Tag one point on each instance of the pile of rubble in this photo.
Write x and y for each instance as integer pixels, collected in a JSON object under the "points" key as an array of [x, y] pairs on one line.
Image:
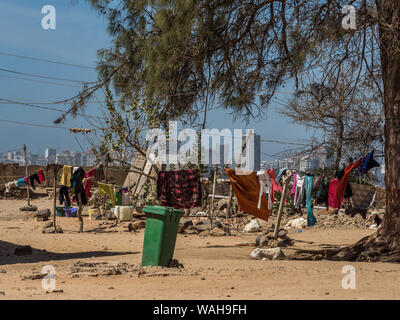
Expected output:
{"points": [[95, 269], [344, 220]]}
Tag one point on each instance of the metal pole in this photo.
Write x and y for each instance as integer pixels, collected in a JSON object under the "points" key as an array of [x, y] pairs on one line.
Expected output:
{"points": [[26, 174]]}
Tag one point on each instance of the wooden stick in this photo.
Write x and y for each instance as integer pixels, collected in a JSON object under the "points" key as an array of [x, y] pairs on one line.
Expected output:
{"points": [[283, 198], [26, 174], [213, 196], [229, 208], [55, 197]]}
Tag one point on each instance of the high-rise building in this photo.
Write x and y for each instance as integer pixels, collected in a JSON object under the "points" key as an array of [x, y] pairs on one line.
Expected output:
{"points": [[50, 155]]}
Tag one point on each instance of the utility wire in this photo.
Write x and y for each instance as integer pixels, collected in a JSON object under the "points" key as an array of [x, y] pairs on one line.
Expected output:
{"points": [[41, 81], [48, 61], [36, 124], [46, 77]]}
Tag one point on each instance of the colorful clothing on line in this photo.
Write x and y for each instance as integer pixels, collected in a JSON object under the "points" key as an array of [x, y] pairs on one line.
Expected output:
{"points": [[332, 201], [78, 190], [108, 190], [311, 220], [367, 163], [299, 192], [26, 180], [41, 176], [343, 182], [247, 192], [281, 172], [265, 188], [293, 192], [64, 196], [66, 176], [179, 189], [20, 182], [34, 177]]}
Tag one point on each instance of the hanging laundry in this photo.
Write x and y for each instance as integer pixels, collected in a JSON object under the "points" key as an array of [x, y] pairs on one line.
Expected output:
{"points": [[26, 180], [247, 192], [332, 200], [265, 188], [179, 189], [90, 173], [108, 190], [9, 185], [64, 196], [367, 163], [21, 182], [34, 177], [78, 189], [293, 192], [281, 172], [275, 185], [66, 176], [311, 220], [74, 169], [41, 176], [88, 186], [299, 192], [343, 182]]}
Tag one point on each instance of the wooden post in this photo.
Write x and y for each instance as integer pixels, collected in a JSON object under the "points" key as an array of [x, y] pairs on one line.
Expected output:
{"points": [[26, 174], [229, 207], [55, 196], [212, 198], [283, 198]]}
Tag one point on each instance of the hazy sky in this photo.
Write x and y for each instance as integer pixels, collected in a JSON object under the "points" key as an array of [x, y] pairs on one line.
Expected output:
{"points": [[79, 33]]}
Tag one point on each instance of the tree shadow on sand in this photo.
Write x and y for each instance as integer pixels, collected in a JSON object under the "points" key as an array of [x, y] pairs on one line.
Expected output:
{"points": [[7, 255]]}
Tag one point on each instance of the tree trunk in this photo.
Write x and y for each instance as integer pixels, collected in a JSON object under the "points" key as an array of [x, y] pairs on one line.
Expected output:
{"points": [[389, 11]]}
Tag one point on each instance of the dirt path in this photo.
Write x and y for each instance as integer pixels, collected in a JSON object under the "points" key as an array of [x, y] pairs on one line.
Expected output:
{"points": [[214, 267]]}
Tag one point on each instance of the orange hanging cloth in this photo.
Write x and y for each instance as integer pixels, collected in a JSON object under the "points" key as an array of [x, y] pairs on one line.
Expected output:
{"points": [[247, 192], [343, 183]]}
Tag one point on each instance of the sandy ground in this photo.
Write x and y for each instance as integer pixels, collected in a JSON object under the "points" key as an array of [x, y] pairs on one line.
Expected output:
{"points": [[216, 267]]}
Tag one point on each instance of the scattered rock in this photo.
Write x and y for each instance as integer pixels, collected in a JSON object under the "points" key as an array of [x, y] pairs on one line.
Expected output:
{"points": [[43, 213], [252, 226], [23, 251], [297, 223], [261, 241], [282, 233], [174, 263], [2, 293], [139, 224], [202, 278], [34, 276], [217, 232], [3, 271], [270, 254], [51, 230], [48, 225], [28, 208]]}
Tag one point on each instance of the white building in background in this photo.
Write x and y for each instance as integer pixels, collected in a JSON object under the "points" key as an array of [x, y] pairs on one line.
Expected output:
{"points": [[50, 155], [87, 159], [67, 158]]}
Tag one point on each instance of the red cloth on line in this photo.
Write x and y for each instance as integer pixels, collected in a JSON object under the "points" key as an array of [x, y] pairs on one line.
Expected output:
{"points": [[247, 192], [41, 176], [343, 182], [90, 173], [88, 186], [332, 201]]}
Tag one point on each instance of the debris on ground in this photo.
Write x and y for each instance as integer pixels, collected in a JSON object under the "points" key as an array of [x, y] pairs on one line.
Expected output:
{"points": [[297, 223], [95, 269], [34, 276], [268, 254], [28, 208], [252, 226]]}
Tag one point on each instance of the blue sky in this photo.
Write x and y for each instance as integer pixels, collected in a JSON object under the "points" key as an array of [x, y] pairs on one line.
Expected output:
{"points": [[80, 33]]}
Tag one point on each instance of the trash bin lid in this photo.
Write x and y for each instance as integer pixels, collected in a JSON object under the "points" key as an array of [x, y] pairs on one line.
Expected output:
{"points": [[162, 210]]}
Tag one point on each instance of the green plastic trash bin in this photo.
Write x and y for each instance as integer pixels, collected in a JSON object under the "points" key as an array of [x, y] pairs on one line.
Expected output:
{"points": [[160, 235]]}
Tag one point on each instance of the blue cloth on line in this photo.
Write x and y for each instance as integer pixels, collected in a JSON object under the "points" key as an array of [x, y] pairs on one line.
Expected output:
{"points": [[20, 182], [279, 176], [311, 220]]}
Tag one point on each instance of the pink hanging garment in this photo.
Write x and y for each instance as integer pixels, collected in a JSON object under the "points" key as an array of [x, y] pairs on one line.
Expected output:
{"points": [[294, 183], [332, 201]]}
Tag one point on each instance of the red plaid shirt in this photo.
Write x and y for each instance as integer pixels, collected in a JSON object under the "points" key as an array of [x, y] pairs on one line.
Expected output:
{"points": [[179, 189]]}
